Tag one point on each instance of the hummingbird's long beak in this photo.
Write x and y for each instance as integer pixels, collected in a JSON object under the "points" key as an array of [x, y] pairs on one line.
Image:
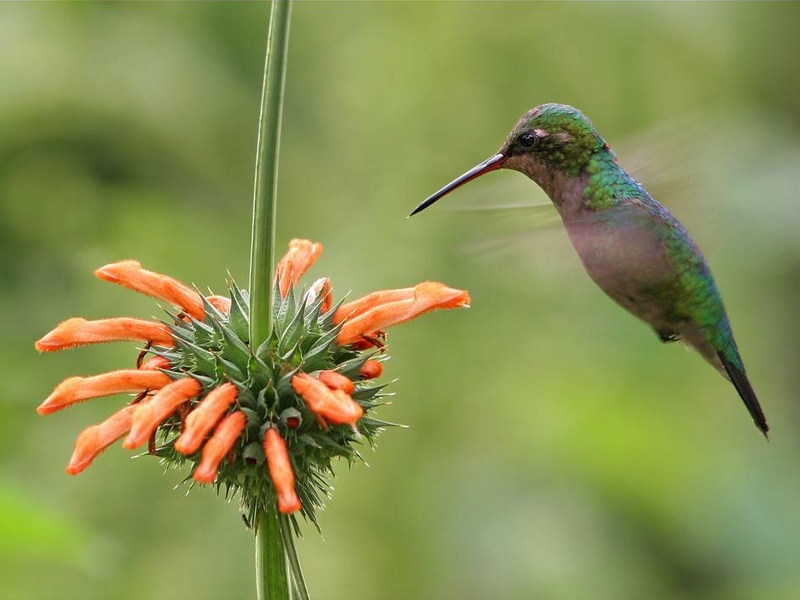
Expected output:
{"points": [[490, 164]]}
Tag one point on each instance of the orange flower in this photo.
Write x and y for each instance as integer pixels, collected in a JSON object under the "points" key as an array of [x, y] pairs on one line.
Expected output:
{"points": [[130, 274], [301, 255], [370, 301], [79, 332], [280, 470], [163, 404], [231, 399], [220, 443], [371, 369], [204, 417], [140, 419], [77, 389], [93, 440], [383, 309], [336, 381], [332, 406]]}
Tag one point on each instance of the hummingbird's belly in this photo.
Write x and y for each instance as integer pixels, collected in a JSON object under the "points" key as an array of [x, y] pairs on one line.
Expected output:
{"points": [[625, 256]]}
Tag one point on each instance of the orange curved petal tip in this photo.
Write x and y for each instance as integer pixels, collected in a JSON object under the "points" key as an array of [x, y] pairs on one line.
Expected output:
{"points": [[93, 440], [221, 303], [80, 332], [130, 274], [163, 404], [218, 446], [336, 381], [398, 307], [77, 389], [204, 417], [280, 471], [333, 406], [371, 369], [297, 260]]}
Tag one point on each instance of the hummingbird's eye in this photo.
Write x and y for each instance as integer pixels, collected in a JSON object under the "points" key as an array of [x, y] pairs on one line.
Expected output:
{"points": [[528, 140]]}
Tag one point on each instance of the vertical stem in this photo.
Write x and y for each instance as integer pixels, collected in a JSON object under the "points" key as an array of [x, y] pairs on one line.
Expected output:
{"points": [[272, 582], [262, 244], [291, 556]]}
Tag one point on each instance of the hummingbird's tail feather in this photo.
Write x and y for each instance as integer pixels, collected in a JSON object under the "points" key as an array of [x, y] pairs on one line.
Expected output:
{"points": [[742, 385]]}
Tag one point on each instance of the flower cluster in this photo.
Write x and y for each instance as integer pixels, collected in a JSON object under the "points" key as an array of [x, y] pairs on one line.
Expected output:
{"points": [[264, 421]]}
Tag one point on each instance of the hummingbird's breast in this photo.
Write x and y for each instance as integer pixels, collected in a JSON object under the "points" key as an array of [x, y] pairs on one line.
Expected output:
{"points": [[622, 250]]}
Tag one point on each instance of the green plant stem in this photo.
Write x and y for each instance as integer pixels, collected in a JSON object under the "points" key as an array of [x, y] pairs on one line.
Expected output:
{"points": [[291, 556], [272, 582], [262, 243]]}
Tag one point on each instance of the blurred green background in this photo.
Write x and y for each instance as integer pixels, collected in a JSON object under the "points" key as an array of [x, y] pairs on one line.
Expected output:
{"points": [[556, 450]]}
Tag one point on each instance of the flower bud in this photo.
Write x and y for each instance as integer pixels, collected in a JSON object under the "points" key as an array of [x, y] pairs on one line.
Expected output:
{"points": [[280, 470], [292, 418], [253, 453], [371, 369]]}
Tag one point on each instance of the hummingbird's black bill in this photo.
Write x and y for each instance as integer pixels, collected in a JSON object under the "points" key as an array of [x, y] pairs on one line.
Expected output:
{"points": [[490, 164]]}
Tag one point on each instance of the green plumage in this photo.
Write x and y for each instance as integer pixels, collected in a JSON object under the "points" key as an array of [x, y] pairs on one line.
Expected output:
{"points": [[631, 246]]}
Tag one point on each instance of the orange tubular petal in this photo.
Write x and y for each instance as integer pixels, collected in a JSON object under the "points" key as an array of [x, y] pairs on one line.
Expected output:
{"points": [[93, 440], [221, 303], [130, 274], [149, 416], [77, 389], [280, 470], [336, 381], [204, 417], [370, 301], [371, 369], [218, 445], [157, 362], [79, 332], [297, 260], [427, 296], [347, 411], [333, 406]]}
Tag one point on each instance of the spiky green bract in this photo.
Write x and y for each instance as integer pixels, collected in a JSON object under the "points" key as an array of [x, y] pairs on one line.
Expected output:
{"points": [[217, 350], [566, 139]]}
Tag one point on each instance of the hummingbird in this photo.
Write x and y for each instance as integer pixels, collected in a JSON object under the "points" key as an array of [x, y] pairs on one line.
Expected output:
{"points": [[633, 248]]}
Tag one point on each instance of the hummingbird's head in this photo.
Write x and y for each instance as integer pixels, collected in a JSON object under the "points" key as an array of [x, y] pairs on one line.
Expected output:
{"points": [[551, 137], [547, 140]]}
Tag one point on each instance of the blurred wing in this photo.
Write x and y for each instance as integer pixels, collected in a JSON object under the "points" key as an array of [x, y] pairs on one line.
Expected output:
{"points": [[666, 159]]}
